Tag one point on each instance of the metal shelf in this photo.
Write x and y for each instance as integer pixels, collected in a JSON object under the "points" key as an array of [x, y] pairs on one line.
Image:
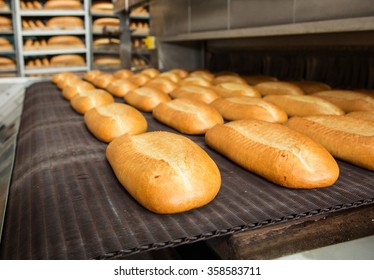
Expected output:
{"points": [[6, 32], [9, 52], [103, 15], [53, 52], [47, 13], [146, 17], [3, 12], [41, 32], [55, 70]]}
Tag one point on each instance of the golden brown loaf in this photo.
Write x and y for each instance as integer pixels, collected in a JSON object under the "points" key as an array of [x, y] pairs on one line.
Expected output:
{"points": [[60, 76], [107, 60], [345, 138], [65, 40], [91, 75], [182, 73], [37, 5], [86, 100], [304, 105], [199, 93], [278, 88], [4, 42], [71, 90], [228, 79], [362, 115], [106, 41], [67, 80], [194, 81], [140, 79], [347, 100], [239, 108], [122, 74], [146, 98], [120, 88], [63, 5], [151, 72], [187, 116], [310, 87], [65, 22], [102, 7], [106, 22], [275, 152], [236, 89], [257, 79], [5, 22], [163, 84], [170, 165], [110, 121], [174, 77], [205, 74], [6, 61], [103, 80], [67, 60]]}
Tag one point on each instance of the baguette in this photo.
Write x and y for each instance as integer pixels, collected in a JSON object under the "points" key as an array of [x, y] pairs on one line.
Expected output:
{"points": [[123, 74], [37, 5], [146, 98], [187, 116], [310, 87], [6, 61], [275, 152], [228, 79], [56, 78], [304, 105], [67, 60], [65, 22], [362, 115], [63, 5], [347, 100], [106, 22], [5, 22], [68, 81], [174, 77], [151, 72], [170, 165], [239, 108], [205, 74], [102, 7], [182, 73], [91, 75], [89, 99], [257, 79], [163, 84], [107, 60], [120, 88], [110, 121], [194, 81], [70, 91], [103, 80], [278, 88], [64, 40], [236, 89], [140, 79], [345, 138], [199, 93]]}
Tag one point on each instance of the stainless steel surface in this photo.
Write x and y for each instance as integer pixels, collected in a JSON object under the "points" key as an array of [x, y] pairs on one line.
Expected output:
{"points": [[209, 15], [11, 100]]}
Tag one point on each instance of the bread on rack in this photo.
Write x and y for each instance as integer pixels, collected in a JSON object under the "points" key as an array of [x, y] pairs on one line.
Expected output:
{"points": [[5, 44], [235, 89], [348, 100], [278, 88], [242, 107], [107, 60], [4, 6], [67, 60], [304, 105], [187, 116], [110, 121], [257, 79], [106, 41], [204, 94], [344, 137], [102, 7], [70, 91], [65, 40], [86, 100], [65, 22], [163, 84], [170, 165], [63, 5], [310, 87], [120, 88], [7, 63], [106, 21], [37, 5], [146, 98], [275, 152], [5, 23]]}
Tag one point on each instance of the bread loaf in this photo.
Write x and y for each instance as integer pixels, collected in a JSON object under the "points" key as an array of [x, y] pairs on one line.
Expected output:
{"points": [[112, 60], [345, 138], [65, 40], [86, 100], [67, 80], [182, 73], [310, 87], [194, 81], [151, 72], [110, 121], [102, 7], [174, 77], [65, 22], [63, 5], [347, 100], [257, 79], [77, 88], [228, 79], [205, 74], [6, 61], [120, 88], [304, 105], [5, 22], [163, 84], [362, 115], [61, 76], [199, 93], [187, 116], [146, 98], [239, 108], [171, 167], [67, 60], [91, 75], [122, 74], [37, 5], [236, 89], [106, 21], [106, 41], [103, 80], [275, 152], [140, 79], [278, 88]]}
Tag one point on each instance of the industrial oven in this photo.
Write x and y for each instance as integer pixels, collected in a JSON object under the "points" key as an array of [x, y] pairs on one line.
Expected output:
{"points": [[65, 202]]}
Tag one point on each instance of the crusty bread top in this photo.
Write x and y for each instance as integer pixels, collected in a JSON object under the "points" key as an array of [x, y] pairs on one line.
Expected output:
{"points": [[65, 40], [170, 76], [344, 124], [204, 94], [195, 80], [65, 21], [236, 89], [310, 87], [278, 88], [228, 79], [146, 91], [182, 73], [4, 41], [106, 21], [122, 74], [205, 74], [362, 115], [257, 79], [151, 72], [254, 101]]}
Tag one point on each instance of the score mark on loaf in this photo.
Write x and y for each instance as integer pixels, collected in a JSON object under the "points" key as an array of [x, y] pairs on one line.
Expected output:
{"points": [[275, 152], [176, 174]]}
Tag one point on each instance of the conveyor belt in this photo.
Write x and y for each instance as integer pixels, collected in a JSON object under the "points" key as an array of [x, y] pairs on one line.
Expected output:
{"points": [[65, 202]]}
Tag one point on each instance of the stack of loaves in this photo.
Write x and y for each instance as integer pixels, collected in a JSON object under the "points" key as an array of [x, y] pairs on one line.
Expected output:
{"points": [[287, 132]]}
